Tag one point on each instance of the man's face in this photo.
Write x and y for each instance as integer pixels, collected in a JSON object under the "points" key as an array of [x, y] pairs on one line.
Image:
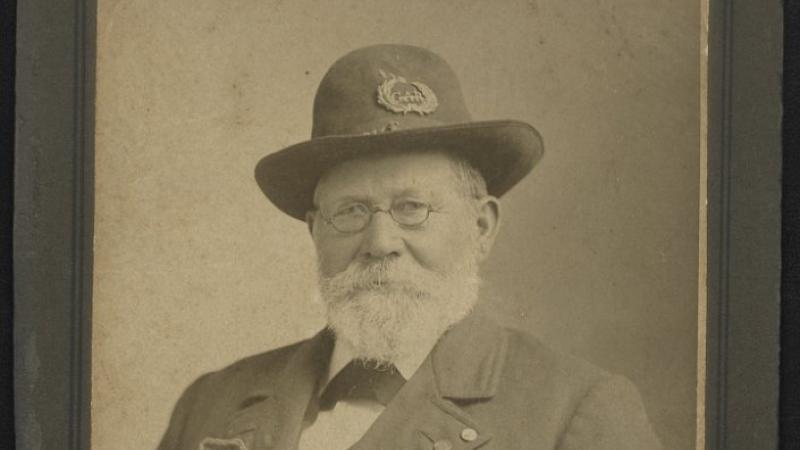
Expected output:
{"points": [[444, 238], [388, 286]]}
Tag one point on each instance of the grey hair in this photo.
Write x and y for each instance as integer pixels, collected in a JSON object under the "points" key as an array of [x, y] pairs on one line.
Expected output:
{"points": [[470, 180]]}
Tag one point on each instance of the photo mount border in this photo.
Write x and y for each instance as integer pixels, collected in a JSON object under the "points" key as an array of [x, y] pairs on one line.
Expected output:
{"points": [[53, 222], [744, 203], [54, 198]]}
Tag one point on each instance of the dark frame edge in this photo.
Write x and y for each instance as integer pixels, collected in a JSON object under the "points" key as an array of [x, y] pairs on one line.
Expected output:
{"points": [[53, 222], [745, 42], [719, 29], [86, 35]]}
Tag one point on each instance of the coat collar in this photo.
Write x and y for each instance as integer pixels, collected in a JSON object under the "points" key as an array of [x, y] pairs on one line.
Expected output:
{"points": [[468, 360], [464, 366]]}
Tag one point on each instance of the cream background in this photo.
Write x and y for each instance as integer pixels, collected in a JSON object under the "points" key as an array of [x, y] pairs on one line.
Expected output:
{"points": [[195, 269]]}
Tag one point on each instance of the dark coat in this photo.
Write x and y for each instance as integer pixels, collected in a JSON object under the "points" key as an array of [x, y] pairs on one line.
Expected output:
{"points": [[504, 384]]}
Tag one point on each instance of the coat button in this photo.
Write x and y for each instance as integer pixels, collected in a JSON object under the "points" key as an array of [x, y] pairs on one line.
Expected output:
{"points": [[469, 434], [444, 444]]}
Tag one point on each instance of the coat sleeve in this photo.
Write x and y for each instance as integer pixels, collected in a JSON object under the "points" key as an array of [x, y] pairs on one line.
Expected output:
{"points": [[173, 437], [610, 417]]}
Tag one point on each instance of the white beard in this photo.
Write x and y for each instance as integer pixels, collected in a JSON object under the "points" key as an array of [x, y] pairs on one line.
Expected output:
{"points": [[388, 309]]}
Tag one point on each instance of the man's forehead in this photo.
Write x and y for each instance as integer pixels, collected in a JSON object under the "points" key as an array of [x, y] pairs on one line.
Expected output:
{"points": [[421, 170]]}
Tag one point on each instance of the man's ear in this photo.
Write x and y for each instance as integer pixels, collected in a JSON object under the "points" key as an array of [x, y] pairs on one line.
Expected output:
{"points": [[488, 223], [311, 215]]}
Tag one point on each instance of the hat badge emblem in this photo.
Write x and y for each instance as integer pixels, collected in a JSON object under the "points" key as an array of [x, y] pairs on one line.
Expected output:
{"points": [[400, 96]]}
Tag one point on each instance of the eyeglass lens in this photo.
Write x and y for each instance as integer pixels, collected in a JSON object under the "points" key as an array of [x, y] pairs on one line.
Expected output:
{"points": [[355, 217]]}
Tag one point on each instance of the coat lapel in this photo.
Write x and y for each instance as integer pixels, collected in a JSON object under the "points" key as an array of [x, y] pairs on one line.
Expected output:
{"points": [[465, 366], [271, 415]]}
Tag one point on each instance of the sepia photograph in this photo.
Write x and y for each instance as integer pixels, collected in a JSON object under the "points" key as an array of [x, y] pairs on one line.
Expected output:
{"points": [[398, 225]]}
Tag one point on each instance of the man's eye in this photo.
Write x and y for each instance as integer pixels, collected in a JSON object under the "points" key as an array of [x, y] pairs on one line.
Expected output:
{"points": [[408, 206], [355, 209]]}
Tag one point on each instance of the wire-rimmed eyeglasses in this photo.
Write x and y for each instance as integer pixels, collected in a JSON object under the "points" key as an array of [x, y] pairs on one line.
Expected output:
{"points": [[356, 216]]}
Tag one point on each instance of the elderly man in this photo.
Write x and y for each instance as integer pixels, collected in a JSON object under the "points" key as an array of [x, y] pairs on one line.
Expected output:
{"points": [[399, 190]]}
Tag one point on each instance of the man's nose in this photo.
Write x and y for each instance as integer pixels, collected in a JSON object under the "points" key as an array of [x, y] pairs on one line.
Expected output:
{"points": [[381, 237]]}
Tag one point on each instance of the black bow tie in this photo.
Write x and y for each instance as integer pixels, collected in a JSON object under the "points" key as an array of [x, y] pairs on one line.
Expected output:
{"points": [[357, 380]]}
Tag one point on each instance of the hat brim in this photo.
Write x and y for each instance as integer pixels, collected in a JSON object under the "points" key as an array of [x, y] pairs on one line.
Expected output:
{"points": [[504, 151]]}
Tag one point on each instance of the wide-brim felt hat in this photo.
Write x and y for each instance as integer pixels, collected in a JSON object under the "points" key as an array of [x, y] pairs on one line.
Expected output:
{"points": [[385, 99]]}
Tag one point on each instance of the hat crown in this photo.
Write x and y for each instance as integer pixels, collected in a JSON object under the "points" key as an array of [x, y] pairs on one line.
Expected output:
{"points": [[385, 88]]}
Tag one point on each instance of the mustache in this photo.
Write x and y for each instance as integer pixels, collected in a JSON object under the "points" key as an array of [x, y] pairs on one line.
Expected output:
{"points": [[379, 274]]}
